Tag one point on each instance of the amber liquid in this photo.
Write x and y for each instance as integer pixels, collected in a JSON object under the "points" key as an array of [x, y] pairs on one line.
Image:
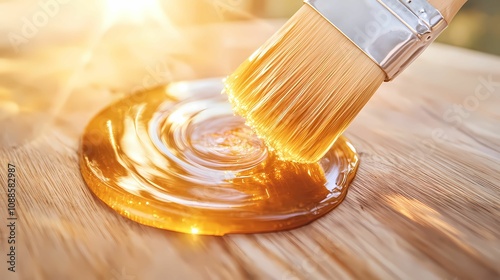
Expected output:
{"points": [[177, 158]]}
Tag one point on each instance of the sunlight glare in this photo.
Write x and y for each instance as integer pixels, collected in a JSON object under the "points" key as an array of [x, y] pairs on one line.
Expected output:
{"points": [[132, 10]]}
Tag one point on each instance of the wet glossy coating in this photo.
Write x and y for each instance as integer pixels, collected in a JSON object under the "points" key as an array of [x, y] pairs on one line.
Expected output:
{"points": [[177, 158]]}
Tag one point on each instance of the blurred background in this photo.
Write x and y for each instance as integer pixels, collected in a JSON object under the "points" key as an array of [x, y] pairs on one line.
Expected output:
{"points": [[56, 53], [475, 27]]}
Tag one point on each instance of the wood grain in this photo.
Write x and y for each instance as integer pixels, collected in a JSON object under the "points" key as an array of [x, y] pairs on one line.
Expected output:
{"points": [[424, 205]]}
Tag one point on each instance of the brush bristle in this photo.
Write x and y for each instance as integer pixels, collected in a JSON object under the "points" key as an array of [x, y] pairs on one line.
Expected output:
{"points": [[303, 87]]}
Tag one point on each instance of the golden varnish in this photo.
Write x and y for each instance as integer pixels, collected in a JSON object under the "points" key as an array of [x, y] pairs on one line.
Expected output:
{"points": [[177, 158]]}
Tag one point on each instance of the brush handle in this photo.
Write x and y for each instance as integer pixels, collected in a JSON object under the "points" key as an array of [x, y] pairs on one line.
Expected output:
{"points": [[448, 8], [390, 32]]}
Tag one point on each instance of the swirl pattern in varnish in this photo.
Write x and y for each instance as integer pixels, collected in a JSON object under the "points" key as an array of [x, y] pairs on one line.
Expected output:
{"points": [[177, 158]]}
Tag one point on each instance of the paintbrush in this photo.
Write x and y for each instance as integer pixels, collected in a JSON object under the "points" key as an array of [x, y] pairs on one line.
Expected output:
{"points": [[304, 86]]}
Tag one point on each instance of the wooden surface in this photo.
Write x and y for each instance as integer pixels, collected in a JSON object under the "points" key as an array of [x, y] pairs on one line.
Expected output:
{"points": [[424, 204]]}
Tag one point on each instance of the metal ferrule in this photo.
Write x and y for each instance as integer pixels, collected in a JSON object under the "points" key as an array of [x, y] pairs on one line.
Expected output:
{"points": [[391, 32]]}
